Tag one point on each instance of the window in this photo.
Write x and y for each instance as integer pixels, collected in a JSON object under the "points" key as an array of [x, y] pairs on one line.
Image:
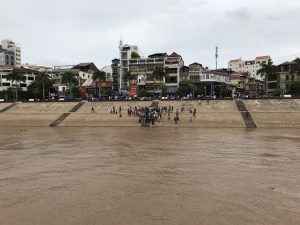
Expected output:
{"points": [[272, 86], [6, 84], [287, 77]]}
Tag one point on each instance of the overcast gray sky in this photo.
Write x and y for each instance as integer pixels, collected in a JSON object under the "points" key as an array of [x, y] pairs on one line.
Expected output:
{"points": [[60, 32]]}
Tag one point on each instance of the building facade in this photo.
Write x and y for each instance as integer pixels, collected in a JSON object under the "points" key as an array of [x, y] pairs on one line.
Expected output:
{"points": [[13, 47], [5, 83], [283, 79], [249, 66], [173, 69], [142, 70], [126, 52], [115, 67], [7, 58]]}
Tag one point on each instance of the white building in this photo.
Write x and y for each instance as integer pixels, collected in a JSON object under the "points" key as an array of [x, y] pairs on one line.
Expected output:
{"points": [[108, 71], [249, 66], [125, 55], [5, 83], [38, 68], [12, 46], [7, 57]]}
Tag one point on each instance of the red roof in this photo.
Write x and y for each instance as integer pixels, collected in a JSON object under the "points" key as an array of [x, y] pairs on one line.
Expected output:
{"points": [[19, 69], [6, 67], [83, 64], [262, 57], [234, 60], [101, 84], [89, 65]]}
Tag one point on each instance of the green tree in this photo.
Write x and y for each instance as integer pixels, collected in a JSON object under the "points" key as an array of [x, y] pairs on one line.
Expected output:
{"points": [[128, 76], [296, 67], [69, 78], [295, 88], [99, 76], [194, 89], [16, 77], [164, 90], [135, 55], [277, 92], [158, 73], [267, 69], [142, 93], [43, 78]]}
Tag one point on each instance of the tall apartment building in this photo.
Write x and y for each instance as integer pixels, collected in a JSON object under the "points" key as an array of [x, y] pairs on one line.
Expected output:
{"points": [[11, 46], [173, 65], [126, 52], [249, 66], [7, 58], [115, 66]]}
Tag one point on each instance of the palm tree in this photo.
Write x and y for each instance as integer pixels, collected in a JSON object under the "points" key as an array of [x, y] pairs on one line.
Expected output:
{"points": [[267, 69], [101, 77], [43, 77], [69, 78], [16, 77]]}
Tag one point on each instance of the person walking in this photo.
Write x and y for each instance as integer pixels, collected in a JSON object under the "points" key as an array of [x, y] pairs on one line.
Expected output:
{"points": [[194, 112]]}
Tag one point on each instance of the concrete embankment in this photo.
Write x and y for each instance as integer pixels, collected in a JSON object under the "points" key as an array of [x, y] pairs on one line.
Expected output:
{"points": [[281, 113], [212, 114]]}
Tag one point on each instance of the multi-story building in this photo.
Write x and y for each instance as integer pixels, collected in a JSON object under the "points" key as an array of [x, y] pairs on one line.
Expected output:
{"points": [[108, 73], [238, 81], [209, 80], [173, 65], [250, 66], [283, 78], [12, 46], [115, 67], [142, 70], [127, 52], [5, 83], [7, 57]]}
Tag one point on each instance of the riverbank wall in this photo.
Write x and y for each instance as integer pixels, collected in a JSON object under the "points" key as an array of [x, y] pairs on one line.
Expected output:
{"points": [[266, 113]]}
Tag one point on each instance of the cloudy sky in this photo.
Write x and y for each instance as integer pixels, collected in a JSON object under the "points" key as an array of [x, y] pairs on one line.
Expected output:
{"points": [[60, 32]]}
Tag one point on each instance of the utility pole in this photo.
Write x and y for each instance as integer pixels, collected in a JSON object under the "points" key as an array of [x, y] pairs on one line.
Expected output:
{"points": [[217, 50]]}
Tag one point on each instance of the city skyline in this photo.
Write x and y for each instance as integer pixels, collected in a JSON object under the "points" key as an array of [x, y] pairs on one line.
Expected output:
{"points": [[193, 29]]}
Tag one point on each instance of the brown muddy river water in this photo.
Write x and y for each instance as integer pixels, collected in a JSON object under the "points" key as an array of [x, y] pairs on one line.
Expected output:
{"points": [[141, 176]]}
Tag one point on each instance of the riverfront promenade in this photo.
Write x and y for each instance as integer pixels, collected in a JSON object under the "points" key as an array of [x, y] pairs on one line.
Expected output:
{"points": [[281, 113]]}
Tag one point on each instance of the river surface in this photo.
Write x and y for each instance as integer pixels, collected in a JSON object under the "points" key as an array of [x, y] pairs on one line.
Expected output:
{"points": [[141, 176]]}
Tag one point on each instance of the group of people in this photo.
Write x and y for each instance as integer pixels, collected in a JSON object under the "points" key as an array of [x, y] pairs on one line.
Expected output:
{"points": [[152, 114]]}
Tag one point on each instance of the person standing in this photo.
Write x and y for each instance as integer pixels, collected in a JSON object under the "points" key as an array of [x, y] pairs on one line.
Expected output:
{"points": [[194, 112]]}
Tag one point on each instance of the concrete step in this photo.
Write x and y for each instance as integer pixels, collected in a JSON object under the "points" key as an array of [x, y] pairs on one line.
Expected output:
{"points": [[59, 120], [247, 117], [7, 108], [76, 107]]}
